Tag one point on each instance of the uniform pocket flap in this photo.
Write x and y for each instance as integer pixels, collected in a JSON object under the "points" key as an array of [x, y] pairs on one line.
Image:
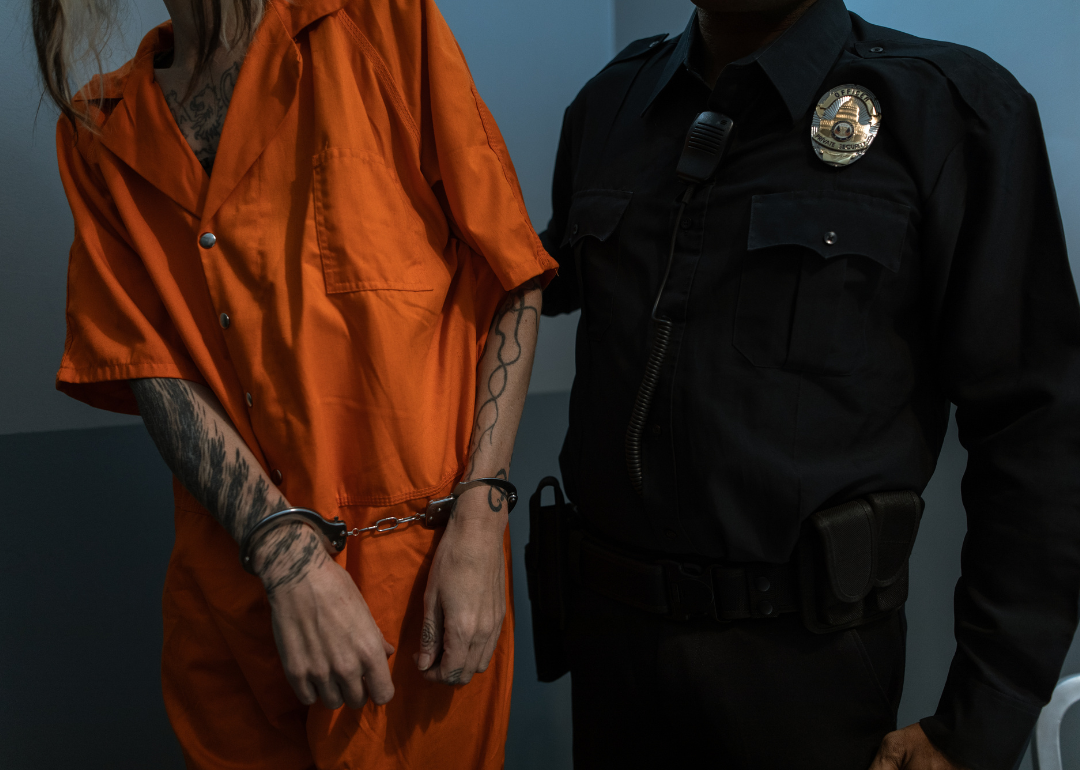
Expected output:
{"points": [[371, 236], [832, 224], [595, 213]]}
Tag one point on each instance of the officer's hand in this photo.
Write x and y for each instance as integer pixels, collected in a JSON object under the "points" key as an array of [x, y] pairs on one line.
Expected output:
{"points": [[465, 601], [330, 646], [910, 749]]}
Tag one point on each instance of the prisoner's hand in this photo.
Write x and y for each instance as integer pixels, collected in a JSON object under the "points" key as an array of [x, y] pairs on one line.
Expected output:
{"points": [[910, 749], [330, 646], [465, 601]]}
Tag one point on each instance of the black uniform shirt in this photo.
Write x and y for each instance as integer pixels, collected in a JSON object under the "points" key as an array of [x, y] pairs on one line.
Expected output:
{"points": [[824, 319]]}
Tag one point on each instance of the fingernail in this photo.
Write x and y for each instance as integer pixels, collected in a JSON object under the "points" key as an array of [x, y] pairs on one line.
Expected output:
{"points": [[424, 662]]}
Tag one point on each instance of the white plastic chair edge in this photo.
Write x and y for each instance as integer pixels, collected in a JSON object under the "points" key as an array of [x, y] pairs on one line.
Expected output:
{"points": [[1046, 751]]}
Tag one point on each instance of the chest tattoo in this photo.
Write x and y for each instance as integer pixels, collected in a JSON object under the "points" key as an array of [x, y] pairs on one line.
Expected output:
{"points": [[202, 116]]}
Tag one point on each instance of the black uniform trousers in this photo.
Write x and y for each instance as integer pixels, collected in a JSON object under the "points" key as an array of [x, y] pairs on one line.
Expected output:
{"points": [[756, 694]]}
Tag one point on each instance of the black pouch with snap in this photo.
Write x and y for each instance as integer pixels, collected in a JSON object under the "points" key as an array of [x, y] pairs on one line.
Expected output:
{"points": [[853, 560]]}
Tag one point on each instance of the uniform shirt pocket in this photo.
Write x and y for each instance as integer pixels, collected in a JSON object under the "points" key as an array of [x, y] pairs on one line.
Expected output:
{"points": [[814, 261], [370, 236], [591, 230]]}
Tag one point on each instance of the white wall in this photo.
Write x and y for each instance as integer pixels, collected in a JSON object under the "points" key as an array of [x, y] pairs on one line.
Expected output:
{"points": [[528, 59]]}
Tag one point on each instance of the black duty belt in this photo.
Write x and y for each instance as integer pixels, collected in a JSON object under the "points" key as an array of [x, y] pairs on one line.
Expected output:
{"points": [[683, 590]]}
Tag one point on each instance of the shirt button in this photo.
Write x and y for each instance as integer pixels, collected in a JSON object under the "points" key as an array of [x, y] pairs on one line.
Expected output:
{"points": [[763, 584], [207, 240], [277, 477], [830, 238], [876, 49], [224, 318], [766, 608], [250, 400], [657, 430], [687, 223]]}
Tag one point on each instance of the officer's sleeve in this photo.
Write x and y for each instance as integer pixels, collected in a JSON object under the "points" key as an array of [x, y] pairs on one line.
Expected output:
{"points": [[117, 326], [563, 294], [1007, 327]]}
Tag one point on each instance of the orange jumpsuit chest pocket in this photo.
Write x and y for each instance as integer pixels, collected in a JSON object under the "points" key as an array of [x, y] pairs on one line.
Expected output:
{"points": [[370, 235]]}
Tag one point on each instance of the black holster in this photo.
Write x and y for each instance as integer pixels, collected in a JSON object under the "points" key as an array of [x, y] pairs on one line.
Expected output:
{"points": [[546, 567], [853, 560]]}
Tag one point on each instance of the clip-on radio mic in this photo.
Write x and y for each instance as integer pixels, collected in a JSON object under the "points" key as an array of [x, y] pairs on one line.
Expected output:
{"points": [[701, 154]]}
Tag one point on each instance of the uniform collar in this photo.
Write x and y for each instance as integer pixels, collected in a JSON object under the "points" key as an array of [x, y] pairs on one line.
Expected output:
{"points": [[795, 63], [142, 132]]}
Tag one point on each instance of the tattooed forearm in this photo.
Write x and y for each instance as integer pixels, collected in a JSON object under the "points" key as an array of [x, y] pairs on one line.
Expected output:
{"points": [[192, 441], [281, 563], [510, 347]]}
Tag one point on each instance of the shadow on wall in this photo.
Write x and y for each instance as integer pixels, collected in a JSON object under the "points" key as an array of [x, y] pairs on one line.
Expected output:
{"points": [[83, 559]]}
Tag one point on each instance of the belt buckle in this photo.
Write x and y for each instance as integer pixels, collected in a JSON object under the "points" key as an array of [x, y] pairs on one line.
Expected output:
{"points": [[690, 594]]}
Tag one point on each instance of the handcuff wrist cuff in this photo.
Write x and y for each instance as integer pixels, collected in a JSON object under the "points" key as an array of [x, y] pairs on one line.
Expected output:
{"points": [[333, 534]]}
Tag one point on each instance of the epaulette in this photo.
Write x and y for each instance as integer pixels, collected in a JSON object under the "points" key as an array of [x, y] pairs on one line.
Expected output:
{"points": [[644, 47], [981, 82]]}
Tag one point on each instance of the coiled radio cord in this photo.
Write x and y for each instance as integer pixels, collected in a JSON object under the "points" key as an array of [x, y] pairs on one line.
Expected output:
{"points": [[653, 367]]}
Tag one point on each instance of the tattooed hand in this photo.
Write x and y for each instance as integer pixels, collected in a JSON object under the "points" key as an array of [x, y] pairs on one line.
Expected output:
{"points": [[465, 601], [330, 646]]}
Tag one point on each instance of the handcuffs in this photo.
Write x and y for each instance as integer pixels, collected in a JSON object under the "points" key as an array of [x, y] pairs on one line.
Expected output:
{"points": [[335, 533]]}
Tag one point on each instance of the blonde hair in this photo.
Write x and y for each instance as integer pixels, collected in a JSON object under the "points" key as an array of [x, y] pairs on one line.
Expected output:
{"points": [[70, 34]]}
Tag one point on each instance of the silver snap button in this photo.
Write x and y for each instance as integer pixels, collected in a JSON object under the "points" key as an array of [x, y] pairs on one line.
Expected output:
{"points": [[654, 43], [250, 400], [876, 49], [225, 321], [207, 240], [766, 608], [830, 238], [763, 584]]}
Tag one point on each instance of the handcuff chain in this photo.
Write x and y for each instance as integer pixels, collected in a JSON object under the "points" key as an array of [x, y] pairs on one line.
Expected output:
{"points": [[394, 523]]}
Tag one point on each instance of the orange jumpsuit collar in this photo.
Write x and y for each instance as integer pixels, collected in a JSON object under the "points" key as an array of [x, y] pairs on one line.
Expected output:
{"points": [[143, 133]]}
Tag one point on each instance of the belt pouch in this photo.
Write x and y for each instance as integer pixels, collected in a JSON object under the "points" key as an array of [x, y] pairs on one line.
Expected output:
{"points": [[853, 560], [545, 567]]}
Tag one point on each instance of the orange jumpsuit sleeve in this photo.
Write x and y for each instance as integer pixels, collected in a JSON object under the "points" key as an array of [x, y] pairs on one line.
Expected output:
{"points": [[460, 144], [117, 325]]}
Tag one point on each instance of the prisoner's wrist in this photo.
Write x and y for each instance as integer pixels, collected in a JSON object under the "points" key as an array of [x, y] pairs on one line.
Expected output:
{"points": [[475, 516], [280, 547]]}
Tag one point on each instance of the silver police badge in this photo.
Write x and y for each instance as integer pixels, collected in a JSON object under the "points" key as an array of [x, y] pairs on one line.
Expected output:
{"points": [[844, 125]]}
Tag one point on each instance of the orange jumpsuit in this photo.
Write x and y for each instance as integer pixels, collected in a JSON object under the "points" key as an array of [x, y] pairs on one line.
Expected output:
{"points": [[368, 221]]}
